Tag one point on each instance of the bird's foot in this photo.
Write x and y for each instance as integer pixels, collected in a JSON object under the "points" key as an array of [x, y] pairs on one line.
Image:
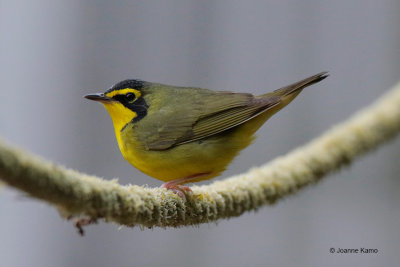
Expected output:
{"points": [[180, 190]]}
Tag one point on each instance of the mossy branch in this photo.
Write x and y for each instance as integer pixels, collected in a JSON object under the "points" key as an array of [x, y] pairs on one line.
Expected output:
{"points": [[79, 194]]}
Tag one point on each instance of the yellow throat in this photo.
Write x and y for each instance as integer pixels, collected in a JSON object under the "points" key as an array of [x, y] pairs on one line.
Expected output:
{"points": [[120, 115]]}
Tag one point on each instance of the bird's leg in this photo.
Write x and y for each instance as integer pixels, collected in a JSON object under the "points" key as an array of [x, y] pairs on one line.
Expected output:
{"points": [[177, 186]]}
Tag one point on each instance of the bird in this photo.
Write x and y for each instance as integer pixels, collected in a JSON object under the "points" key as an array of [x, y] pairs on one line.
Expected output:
{"points": [[182, 135]]}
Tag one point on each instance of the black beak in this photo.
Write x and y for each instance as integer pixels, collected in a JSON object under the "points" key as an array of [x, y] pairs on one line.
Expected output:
{"points": [[99, 97]]}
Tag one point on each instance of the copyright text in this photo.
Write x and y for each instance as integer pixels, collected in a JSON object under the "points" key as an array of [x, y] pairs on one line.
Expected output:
{"points": [[353, 250]]}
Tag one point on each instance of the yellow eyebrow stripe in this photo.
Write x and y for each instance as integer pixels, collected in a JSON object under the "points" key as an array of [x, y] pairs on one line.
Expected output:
{"points": [[124, 92]]}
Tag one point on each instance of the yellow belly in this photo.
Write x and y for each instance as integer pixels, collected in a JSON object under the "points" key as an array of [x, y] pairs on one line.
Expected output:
{"points": [[207, 156]]}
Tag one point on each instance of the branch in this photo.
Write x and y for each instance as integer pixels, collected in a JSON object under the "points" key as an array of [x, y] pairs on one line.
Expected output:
{"points": [[79, 194]]}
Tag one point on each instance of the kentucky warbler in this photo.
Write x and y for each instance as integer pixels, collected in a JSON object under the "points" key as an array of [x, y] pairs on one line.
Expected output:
{"points": [[184, 134]]}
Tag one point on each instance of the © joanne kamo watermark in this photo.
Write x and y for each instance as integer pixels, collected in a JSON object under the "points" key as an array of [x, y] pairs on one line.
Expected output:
{"points": [[353, 250]]}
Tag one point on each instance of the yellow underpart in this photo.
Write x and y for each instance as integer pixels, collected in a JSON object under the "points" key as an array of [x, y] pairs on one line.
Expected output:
{"points": [[124, 92], [209, 156]]}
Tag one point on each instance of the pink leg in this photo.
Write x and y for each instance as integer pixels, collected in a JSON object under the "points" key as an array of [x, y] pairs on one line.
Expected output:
{"points": [[177, 186]]}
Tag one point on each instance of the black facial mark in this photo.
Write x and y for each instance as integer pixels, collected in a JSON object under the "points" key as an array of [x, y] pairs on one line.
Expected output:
{"points": [[139, 106]]}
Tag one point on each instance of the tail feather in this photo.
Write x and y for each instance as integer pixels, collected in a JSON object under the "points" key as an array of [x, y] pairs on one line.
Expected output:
{"points": [[298, 86], [283, 96], [276, 100]]}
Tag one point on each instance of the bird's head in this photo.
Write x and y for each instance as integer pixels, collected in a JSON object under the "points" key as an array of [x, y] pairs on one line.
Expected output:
{"points": [[124, 101]]}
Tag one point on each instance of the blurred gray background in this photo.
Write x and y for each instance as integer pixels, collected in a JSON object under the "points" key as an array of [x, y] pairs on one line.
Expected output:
{"points": [[53, 52]]}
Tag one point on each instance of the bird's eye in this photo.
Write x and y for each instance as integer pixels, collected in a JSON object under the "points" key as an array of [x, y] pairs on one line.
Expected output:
{"points": [[130, 96]]}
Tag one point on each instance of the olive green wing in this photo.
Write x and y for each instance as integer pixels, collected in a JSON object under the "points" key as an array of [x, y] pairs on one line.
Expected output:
{"points": [[208, 115], [230, 117]]}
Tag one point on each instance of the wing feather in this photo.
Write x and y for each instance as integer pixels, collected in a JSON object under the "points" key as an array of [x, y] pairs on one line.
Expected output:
{"points": [[224, 110]]}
